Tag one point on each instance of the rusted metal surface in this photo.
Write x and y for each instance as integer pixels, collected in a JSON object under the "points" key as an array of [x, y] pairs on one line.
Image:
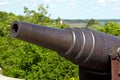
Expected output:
{"points": [[115, 67], [85, 47]]}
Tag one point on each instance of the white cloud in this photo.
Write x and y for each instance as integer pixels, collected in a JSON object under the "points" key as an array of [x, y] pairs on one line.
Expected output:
{"points": [[35, 4], [61, 0], [71, 4], [114, 0], [96, 8], [102, 1], [25, 4], [3, 3], [116, 8], [92, 2], [98, 2], [47, 1], [53, 7], [19, 0]]}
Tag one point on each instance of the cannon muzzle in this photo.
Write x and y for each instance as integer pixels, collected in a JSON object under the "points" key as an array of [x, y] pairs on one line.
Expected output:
{"points": [[85, 47]]}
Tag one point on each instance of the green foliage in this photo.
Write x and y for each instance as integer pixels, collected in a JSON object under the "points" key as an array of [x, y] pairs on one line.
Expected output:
{"points": [[110, 28], [39, 17], [23, 60], [92, 22]]}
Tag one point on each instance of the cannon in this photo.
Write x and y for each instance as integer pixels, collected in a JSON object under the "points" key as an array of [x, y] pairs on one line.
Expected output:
{"points": [[96, 53]]}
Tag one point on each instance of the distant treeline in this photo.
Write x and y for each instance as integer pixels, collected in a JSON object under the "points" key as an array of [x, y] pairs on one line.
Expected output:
{"points": [[70, 21]]}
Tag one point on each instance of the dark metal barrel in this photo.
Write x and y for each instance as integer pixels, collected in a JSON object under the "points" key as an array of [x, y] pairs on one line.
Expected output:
{"points": [[84, 47], [55, 39]]}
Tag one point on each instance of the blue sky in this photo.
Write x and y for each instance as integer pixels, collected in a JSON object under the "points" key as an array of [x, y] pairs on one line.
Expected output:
{"points": [[68, 9]]}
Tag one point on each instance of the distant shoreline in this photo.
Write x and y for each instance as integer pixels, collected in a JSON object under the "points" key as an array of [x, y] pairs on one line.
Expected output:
{"points": [[83, 22]]}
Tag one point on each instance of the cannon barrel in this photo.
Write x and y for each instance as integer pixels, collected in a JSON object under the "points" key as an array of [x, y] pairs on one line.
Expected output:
{"points": [[85, 47]]}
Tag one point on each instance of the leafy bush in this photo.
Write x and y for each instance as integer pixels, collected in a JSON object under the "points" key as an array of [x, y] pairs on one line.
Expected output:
{"points": [[110, 28], [23, 60]]}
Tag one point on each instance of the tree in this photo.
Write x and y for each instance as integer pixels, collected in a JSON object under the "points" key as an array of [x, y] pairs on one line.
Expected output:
{"points": [[40, 17], [92, 22]]}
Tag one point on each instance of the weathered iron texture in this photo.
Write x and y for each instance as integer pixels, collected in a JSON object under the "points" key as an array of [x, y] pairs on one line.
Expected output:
{"points": [[90, 49]]}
